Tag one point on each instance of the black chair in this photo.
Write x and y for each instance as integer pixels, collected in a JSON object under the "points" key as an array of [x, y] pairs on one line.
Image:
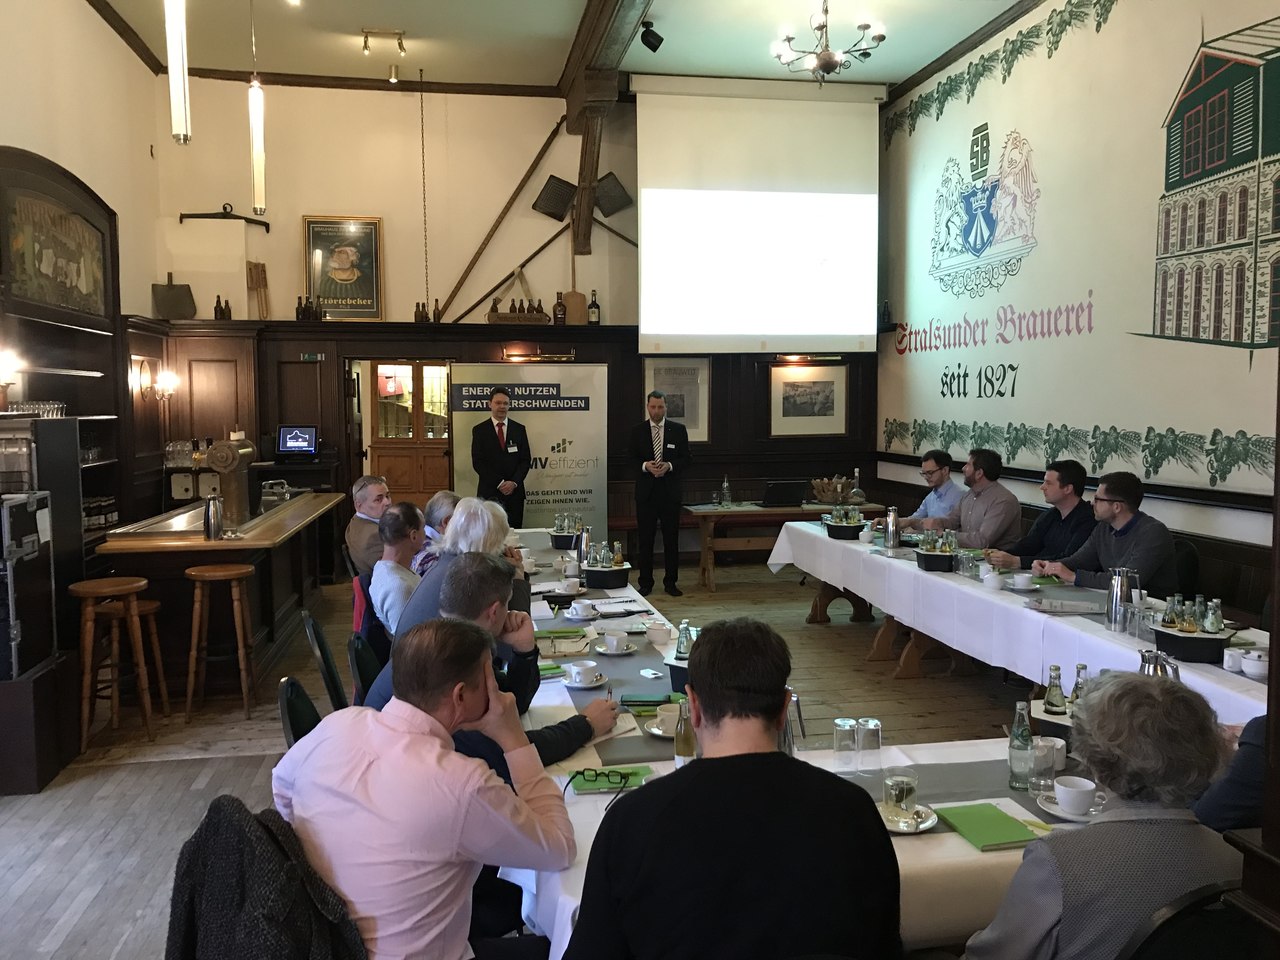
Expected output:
{"points": [[371, 628], [1186, 560], [1195, 926], [324, 660], [352, 572], [298, 715], [364, 667]]}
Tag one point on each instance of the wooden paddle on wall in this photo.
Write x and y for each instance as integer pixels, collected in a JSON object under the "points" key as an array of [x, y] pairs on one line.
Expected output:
{"points": [[575, 303]]}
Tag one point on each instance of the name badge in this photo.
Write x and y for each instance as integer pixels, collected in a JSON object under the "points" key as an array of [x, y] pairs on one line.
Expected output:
{"points": [[671, 446], [512, 448]]}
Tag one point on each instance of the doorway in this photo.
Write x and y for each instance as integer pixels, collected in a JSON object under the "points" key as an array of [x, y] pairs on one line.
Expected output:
{"points": [[405, 425]]}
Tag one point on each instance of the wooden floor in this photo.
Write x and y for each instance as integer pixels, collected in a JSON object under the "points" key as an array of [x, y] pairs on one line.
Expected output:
{"points": [[86, 866]]}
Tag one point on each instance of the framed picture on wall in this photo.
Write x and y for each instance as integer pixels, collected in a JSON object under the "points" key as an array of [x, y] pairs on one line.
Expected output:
{"points": [[687, 383], [344, 266], [808, 400]]}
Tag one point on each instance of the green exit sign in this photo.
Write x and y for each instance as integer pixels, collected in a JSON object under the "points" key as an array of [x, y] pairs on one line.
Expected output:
{"points": [[312, 357]]}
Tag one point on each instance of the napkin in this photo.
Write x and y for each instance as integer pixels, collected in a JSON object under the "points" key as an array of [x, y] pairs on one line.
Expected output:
{"points": [[541, 610], [987, 827]]}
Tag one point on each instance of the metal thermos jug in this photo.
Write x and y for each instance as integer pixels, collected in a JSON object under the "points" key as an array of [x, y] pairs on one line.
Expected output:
{"points": [[213, 518], [1118, 595], [892, 533], [584, 546], [1158, 664]]}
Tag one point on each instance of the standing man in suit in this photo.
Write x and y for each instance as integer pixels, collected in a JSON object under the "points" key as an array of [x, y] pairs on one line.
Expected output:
{"points": [[661, 448], [500, 456]]}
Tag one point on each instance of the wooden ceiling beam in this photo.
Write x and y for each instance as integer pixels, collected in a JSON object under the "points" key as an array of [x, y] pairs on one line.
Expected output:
{"points": [[604, 34], [584, 204]]}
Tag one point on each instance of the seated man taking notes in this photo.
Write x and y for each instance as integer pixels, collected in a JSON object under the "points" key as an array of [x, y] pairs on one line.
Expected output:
{"points": [[1062, 529], [1124, 537], [944, 494]]}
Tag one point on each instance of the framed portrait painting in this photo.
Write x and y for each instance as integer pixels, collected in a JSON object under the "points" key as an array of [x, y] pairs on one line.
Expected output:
{"points": [[687, 383], [808, 400], [344, 266]]}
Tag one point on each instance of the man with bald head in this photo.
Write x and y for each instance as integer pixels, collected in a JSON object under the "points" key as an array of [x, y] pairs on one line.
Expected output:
{"points": [[371, 498]]}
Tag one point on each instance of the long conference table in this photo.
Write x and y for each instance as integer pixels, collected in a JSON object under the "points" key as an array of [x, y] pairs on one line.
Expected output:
{"points": [[949, 888], [996, 627]]}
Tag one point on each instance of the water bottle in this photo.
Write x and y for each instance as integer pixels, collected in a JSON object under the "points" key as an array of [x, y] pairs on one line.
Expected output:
{"points": [[684, 641], [1020, 752], [725, 498]]}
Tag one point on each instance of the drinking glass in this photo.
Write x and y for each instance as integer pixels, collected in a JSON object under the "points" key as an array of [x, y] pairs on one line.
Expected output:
{"points": [[715, 498], [844, 746], [868, 746], [1043, 771], [900, 785]]}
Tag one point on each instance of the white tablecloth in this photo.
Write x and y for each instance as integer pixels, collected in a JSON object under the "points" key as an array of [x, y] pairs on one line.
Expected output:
{"points": [[994, 626]]}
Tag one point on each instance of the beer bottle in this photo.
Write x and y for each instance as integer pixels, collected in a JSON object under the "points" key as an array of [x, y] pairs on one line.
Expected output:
{"points": [[512, 308], [1077, 690], [559, 312], [1055, 703], [593, 311], [297, 311], [686, 742], [217, 308]]}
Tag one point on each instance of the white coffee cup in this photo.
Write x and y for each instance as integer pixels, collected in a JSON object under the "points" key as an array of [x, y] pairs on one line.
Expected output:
{"points": [[530, 565], [582, 609], [1022, 581], [583, 671], [993, 580], [668, 716], [1075, 795], [984, 569], [1059, 752], [571, 568], [867, 535], [658, 634], [570, 585], [615, 642], [1232, 660]]}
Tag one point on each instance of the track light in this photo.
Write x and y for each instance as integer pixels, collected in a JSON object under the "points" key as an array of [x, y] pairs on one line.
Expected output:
{"points": [[650, 37], [400, 44], [366, 44], [393, 75]]}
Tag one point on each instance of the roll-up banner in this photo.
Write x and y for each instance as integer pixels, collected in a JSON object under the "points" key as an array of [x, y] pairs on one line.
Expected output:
{"points": [[564, 409]]}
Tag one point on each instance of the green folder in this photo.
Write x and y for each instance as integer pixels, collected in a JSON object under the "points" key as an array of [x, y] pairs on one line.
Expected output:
{"points": [[549, 670], [987, 827]]}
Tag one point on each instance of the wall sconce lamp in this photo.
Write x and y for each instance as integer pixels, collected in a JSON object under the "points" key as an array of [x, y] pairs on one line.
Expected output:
{"points": [[166, 384], [806, 357], [10, 365], [532, 353]]}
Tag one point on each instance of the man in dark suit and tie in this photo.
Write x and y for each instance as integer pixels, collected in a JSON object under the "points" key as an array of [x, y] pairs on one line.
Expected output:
{"points": [[661, 448], [500, 457]]}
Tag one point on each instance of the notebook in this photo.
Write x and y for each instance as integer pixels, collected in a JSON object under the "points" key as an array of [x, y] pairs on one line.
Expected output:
{"points": [[987, 827], [635, 777]]}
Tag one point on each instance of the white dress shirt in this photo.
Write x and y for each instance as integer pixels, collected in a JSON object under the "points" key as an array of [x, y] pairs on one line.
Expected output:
{"points": [[389, 590]]}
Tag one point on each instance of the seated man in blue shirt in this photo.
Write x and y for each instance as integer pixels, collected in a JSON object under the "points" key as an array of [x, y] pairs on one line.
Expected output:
{"points": [[1062, 529], [943, 497]]}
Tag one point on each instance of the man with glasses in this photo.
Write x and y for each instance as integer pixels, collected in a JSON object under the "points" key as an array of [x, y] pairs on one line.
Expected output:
{"points": [[784, 859], [371, 498], [988, 515], [1124, 537], [1062, 529], [943, 497]]}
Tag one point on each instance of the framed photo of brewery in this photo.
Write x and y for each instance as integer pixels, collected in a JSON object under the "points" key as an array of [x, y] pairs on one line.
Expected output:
{"points": [[344, 266], [808, 400]]}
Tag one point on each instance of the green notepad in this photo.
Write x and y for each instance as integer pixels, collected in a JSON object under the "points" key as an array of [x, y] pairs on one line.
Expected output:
{"points": [[563, 633], [636, 778], [549, 670], [986, 826]]}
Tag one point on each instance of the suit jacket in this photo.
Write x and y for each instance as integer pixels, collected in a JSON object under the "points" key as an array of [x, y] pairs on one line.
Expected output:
{"points": [[665, 489], [364, 544], [1235, 801], [492, 463]]}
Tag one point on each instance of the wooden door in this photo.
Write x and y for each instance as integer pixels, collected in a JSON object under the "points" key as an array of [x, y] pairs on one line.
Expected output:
{"points": [[409, 445]]}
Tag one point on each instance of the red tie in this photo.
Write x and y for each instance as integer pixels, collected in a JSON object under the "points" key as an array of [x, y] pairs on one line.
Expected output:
{"points": [[502, 436]]}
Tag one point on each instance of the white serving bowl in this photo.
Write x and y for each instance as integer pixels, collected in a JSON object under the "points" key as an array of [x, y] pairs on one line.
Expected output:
{"points": [[1255, 664]]}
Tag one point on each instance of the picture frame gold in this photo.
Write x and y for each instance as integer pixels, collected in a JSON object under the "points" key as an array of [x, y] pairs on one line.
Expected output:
{"points": [[342, 268]]}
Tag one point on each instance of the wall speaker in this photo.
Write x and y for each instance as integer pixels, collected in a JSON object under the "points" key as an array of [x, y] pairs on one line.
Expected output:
{"points": [[611, 195], [555, 199]]}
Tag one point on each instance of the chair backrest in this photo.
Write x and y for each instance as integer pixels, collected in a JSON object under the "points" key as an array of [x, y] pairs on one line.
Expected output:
{"points": [[298, 715], [1194, 926], [324, 660], [364, 666], [352, 572], [371, 628], [1186, 560]]}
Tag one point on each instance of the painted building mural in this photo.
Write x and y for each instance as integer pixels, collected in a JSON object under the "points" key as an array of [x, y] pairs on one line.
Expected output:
{"points": [[1035, 315]]}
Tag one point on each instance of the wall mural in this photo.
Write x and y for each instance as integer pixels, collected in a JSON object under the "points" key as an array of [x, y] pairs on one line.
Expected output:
{"points": [[1029, 285]]}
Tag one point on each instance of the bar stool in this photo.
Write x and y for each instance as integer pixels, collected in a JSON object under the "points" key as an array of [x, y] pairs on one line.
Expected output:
{"points": [[236, 574], [90, 592], [113, 611]]}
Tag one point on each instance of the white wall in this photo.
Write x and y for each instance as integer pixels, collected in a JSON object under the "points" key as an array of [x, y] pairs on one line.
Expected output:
{"points": [[343, 152], [74, 93]]}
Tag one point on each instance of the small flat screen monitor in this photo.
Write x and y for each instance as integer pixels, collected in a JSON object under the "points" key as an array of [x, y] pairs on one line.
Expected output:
{"points": [[297, 441]]}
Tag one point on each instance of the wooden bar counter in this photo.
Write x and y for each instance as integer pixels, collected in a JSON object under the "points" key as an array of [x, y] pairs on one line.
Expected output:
{"points": [[283, 548]]}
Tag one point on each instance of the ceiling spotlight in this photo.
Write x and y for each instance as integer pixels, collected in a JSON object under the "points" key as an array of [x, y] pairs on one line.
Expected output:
{"points": [[400, 44], [366, 44], [393, 76], [650, 37]]}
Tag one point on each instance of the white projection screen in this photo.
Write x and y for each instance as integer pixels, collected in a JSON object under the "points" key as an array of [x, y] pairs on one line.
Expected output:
{"points": [[758, 220]]}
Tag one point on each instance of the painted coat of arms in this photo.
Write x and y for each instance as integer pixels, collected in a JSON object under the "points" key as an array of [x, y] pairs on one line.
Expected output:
{"points": [[984, 225]]}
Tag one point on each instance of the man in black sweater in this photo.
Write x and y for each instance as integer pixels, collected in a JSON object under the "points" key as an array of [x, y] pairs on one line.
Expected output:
{"points": [[745, 852], [1062, 529]]}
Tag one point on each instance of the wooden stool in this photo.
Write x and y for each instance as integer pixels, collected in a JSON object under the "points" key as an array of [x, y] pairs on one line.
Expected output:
{"points": [[90, 592], [114, 611], [236, 574]]}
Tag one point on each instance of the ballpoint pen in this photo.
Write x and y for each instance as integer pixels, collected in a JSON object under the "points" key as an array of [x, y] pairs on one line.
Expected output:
{"points": [[608, 692]]}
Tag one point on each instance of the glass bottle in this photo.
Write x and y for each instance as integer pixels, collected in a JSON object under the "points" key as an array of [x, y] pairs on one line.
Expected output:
{"points": [[593, 311], [520, 308], [1078, 688], [1201, 609], [617, 553], [512, 307], [1187, 622], [297, 311], [684, 641], [1213, 617], [686, 742], [559, 312], [857, 495], [217, 308], [538, 309], [725, 497], [1020, 753], [1172, 610], [1055, 702]]}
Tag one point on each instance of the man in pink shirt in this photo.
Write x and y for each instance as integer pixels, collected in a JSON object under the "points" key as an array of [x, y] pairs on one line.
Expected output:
{"points": [[399, 824]]}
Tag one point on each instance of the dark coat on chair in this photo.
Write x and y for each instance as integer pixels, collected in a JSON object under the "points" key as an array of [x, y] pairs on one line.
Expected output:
{"points": [[243, 889]]}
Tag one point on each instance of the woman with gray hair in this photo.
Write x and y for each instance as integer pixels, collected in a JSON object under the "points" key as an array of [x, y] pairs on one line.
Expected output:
{"points": [[476, 526], [1152, 745], [438, 512]]}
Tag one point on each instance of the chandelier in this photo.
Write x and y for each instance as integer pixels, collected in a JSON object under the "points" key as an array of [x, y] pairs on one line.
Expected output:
{"points": [[822, 61]]}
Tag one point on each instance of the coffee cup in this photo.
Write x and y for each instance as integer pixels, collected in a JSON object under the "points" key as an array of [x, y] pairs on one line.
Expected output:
{"points": [[993, 581], [615, 642], [583, 671], [530, 565], [1232, 660], [1023, 581], [582, 609], [1059, 752], [570, 585], [668, 716], [867, 535], [658, 633], [1075, 795], [571, 568]]}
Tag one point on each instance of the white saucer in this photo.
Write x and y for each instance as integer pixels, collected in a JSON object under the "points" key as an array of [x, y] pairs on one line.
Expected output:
{"points": [[1049, 804], [654, 728], [559, 593], [1008, 585], [570, 616], [585, 686], [627, 648], [927, 819]]}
